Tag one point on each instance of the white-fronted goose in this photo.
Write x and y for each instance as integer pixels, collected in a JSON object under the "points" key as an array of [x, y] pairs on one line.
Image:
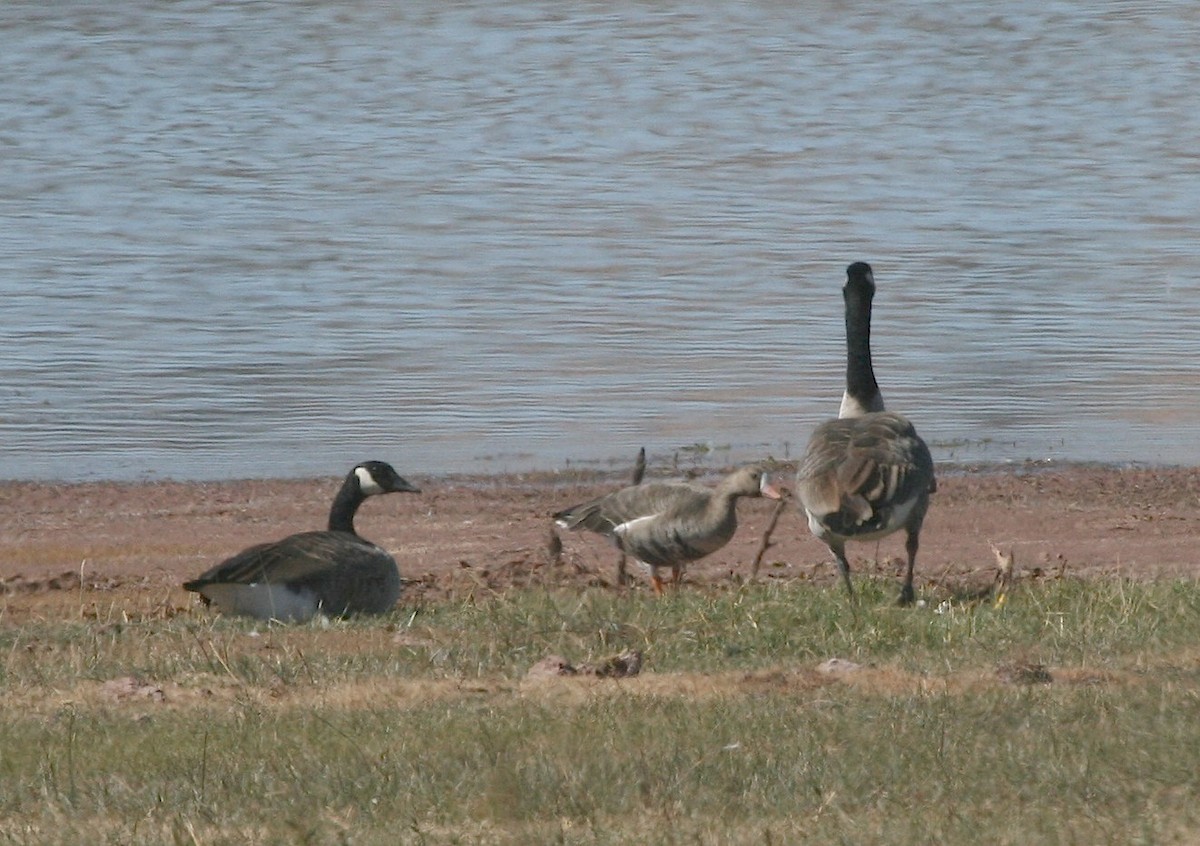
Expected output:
{"points": [[334, 572], [668, 524], [867, 473]]}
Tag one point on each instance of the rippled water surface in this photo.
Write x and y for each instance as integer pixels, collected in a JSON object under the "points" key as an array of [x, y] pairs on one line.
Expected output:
{"points": [[270, 239]]}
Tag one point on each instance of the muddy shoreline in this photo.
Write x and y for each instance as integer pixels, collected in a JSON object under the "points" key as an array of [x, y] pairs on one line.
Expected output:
{"points": [[471, 533]]}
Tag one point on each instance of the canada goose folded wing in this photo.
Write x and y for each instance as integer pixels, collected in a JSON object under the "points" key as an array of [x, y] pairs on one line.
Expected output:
{"points": [[860, 470], [295, 560], [331, 572]]}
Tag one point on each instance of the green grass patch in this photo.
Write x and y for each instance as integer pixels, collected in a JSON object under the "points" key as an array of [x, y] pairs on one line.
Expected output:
{"points": [[421, 728]]}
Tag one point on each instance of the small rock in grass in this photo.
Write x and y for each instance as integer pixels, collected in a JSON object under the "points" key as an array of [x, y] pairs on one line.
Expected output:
{"points": [[838, 665]]}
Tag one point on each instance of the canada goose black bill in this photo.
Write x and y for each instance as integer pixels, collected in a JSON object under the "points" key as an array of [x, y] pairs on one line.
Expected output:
{"points": [[668, 524], [333, 572]]}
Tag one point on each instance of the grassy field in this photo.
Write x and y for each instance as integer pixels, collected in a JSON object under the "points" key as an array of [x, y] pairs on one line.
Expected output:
{"points": [[1068, 714]]}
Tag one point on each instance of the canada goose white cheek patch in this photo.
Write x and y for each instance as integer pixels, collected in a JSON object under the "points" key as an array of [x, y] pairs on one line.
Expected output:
{"points": [[366, 482]]}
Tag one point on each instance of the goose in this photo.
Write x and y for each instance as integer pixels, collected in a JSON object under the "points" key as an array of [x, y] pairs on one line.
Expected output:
{"points": [[333, 572], [867, 473], [668, 524]]}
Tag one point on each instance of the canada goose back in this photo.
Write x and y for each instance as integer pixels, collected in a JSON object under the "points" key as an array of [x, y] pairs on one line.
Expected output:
{"points": [[864, 477]]}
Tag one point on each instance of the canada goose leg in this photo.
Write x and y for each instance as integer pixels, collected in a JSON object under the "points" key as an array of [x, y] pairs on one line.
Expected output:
{"points": [[839, 551], [907, 596], [676, 575], [622, 571]]}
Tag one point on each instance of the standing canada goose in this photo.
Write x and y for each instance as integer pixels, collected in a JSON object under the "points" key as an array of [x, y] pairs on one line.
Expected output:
{"points": [[334, 572], [867, 473], [668, 524]]}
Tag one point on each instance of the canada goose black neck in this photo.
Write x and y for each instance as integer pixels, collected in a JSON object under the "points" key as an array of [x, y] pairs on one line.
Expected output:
{"points": [[366, 479], [862, 391], [345, 505]]}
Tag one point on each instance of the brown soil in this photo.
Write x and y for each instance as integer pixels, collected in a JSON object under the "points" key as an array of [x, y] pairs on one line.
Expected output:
{"points": [[467, 535]]}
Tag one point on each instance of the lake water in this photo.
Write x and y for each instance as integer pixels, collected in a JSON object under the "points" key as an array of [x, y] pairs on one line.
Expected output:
{"points": [[274, 238]]}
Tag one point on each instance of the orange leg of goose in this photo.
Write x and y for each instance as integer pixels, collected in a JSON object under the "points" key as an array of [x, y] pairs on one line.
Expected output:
{"points": [[657, 582]]}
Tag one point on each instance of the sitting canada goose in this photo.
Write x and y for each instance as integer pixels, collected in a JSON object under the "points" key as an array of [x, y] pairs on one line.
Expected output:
{"points": [[867, 473], [668, 524], [334, 572]]}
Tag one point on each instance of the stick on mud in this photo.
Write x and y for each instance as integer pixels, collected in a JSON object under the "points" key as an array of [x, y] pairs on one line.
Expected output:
{"points": [[639, 472]]}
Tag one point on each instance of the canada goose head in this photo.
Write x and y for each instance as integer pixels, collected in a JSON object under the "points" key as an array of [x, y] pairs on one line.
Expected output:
{"points": [[860, 281], [862, 394], [379, 477], [369, 478]]}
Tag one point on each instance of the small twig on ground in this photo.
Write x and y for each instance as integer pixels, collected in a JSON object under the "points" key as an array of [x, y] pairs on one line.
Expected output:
{"points": [[554, 548], [1005, 564], [765, 543], [639, 471], [639, 467]]}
